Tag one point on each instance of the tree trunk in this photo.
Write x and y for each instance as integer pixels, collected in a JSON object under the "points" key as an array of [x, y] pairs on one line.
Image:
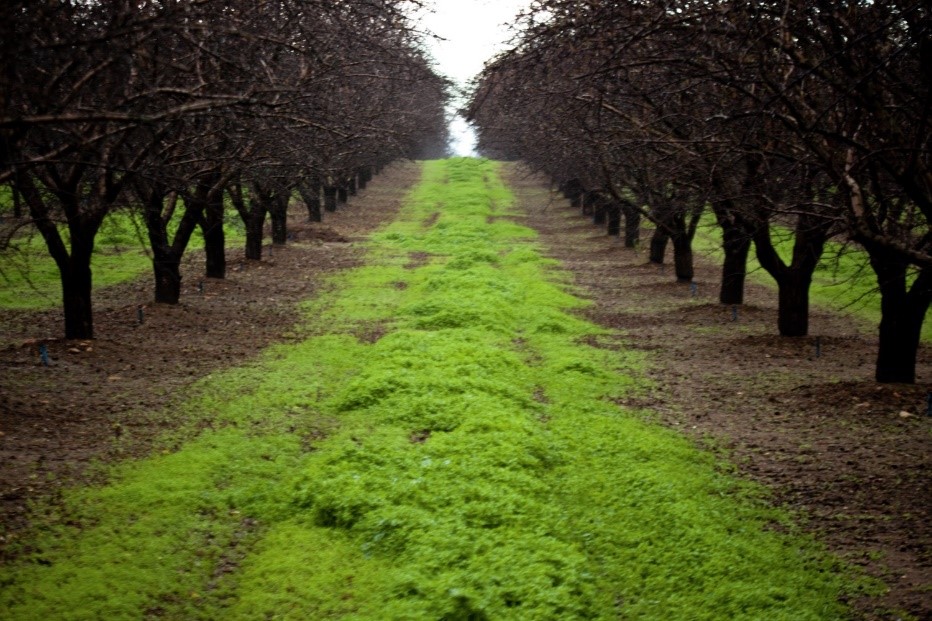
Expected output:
{"points": [[683, 257], [632, 226], [902, 314], [330, 198], [793, 280], [167, 271], [77, 286], [214, 236], [278, 212], [363, 177], [310, 194], [736, 244], [613, 212], [658, 245], [351, 185], [342, 197], [254, 225], [793, 303]]}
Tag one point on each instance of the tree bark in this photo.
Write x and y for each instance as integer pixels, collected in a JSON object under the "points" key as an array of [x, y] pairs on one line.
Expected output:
{"points": [[658, 245], [613, 212], [793, 280], [310, 194], [736, 245], [632, 225], [212, 228], [683, 257], [351, 185], [330, 198], [903, 311], [342, 197], [278, 213], [77, 288]]}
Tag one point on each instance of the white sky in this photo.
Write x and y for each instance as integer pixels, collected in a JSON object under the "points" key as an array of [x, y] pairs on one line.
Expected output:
{"points": [[475, 30]]}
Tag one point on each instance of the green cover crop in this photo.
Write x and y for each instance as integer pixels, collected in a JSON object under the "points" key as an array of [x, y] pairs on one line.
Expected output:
{"points": [[443, 446]]}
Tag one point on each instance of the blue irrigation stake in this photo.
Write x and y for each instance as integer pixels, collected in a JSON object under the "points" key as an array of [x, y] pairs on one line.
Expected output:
{"points": [[44, 354], [734, 312], [200, 286], [140, 314], [818, 347], [694, 289]]}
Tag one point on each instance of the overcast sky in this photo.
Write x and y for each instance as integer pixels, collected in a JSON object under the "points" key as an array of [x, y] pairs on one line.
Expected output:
{"points": [[474, 31]]}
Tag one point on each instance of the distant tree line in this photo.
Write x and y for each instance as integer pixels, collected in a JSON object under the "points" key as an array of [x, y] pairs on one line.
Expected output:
{"points": [[814, 115], [177, 108]]}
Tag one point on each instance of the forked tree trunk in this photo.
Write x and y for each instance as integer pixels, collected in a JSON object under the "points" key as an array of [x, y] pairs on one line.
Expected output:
{"points": [[793, 280], [903, 311]]}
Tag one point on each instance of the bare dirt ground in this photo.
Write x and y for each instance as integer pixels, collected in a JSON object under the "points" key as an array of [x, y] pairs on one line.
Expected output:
{"points": [[94, 403], [851, 457]]}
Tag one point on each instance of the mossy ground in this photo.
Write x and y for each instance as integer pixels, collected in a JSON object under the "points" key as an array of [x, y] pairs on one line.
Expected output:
{"points": [[444, 447]]}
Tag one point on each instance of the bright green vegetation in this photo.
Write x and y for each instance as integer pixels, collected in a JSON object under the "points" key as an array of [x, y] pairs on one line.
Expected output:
{"points": [[466, 465], [843, 280], [29, 278]]}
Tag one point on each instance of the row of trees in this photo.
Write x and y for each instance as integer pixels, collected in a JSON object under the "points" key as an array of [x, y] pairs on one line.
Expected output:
{"points": [[180, 107], [812, 115]]}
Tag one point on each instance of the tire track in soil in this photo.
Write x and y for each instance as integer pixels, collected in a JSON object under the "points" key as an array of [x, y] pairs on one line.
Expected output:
{"points": [[849, 456]]}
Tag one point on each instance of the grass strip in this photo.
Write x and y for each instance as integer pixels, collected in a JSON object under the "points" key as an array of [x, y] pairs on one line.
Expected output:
{"points": [[445, 447]]}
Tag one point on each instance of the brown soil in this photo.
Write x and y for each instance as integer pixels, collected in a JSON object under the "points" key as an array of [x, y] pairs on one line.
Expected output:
{"points": [[851, 457], [95, 401]]}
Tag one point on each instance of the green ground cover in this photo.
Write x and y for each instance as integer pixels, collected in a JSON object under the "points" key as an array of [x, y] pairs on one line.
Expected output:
{"points": [[843, 281], [443, 446], [29, 278]]}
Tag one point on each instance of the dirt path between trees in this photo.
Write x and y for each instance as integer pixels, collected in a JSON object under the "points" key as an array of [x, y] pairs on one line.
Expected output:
{"points": [[850, 456], [108, 399]]}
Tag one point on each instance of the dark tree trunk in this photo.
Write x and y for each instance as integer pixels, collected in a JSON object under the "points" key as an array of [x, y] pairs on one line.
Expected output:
{"points": [[737, 245], [342, 194], [252, 215], [17, 203], [254, 225], [658, 245], [278, 212], [166, 253], [351, 185], [793, 297], [683, 257], [212, 229], [363, 177], [310, 194], [599, 215], [167, 271], [613, 213], [77, 286], [793, 280], [330, 198], [632, 225], [902, 314]]}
